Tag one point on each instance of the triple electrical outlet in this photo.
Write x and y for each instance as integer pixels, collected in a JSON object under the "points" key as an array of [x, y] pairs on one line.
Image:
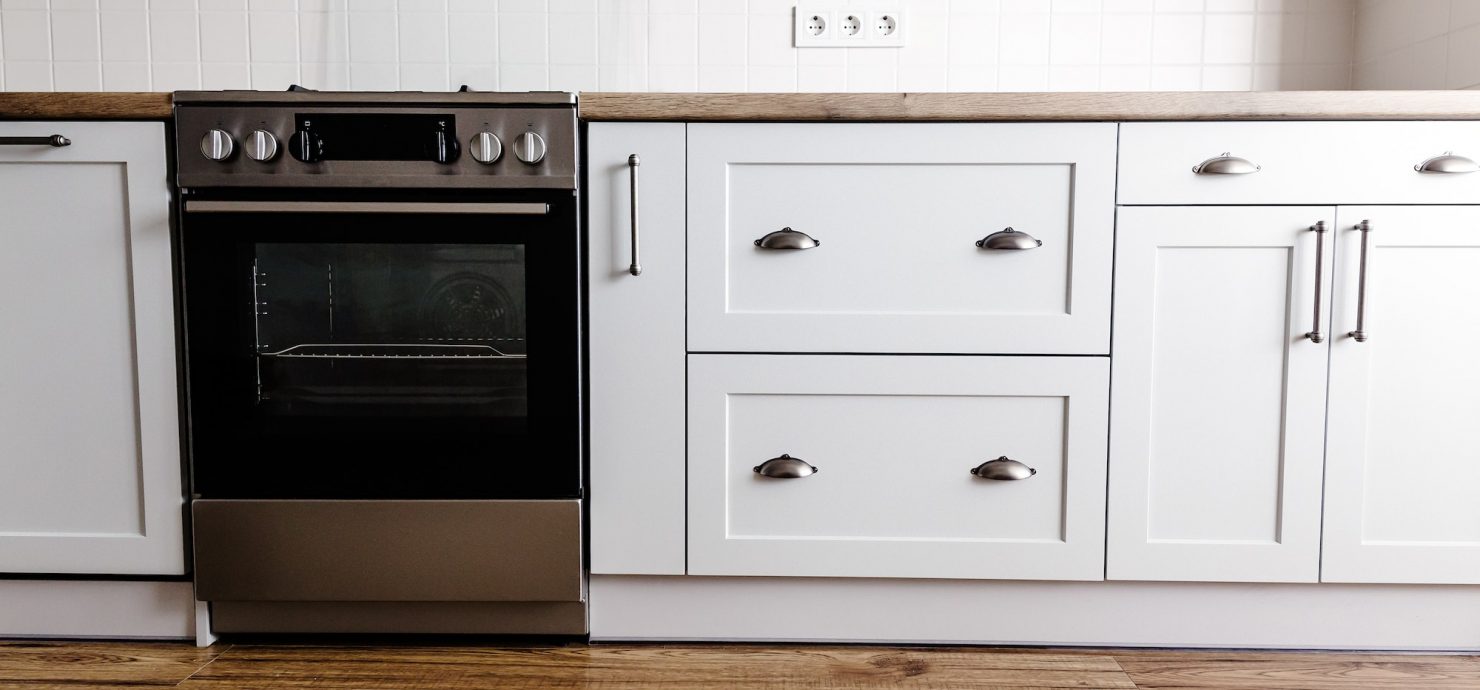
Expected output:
{"points": [[840, 25]]}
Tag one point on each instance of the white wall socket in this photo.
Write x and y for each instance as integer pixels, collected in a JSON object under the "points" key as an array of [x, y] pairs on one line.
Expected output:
{"points": [[848, 25]]}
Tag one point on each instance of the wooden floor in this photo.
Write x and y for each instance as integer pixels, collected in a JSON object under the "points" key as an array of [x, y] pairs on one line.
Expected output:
{"points": [[93, 665]]}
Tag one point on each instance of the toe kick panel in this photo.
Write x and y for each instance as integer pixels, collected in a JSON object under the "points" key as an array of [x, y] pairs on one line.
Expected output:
{"points": [[899, 466]]}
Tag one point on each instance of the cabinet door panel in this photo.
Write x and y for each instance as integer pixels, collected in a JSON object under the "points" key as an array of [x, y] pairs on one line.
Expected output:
{"points": [[90, 480], [898, 210], [1217, 395], [894, 440], [1403, 451], [637, 350]]}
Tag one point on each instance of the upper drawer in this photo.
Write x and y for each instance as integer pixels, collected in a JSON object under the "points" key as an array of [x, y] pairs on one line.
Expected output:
{"points": [[898, 210], [1299, 162]]}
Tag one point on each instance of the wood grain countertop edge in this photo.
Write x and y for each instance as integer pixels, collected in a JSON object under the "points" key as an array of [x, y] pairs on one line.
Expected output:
{"points": [[84, 105], [886, 107]]}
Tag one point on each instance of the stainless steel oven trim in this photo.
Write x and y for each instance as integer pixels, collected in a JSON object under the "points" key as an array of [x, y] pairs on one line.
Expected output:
{"points": [[509, 208]]}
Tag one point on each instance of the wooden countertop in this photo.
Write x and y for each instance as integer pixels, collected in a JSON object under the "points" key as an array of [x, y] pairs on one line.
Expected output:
{"points": [[965, 107], [84, 105], [982, 107]]}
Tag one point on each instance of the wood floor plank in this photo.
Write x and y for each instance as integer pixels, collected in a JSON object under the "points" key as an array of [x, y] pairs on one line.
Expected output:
{"points": [[92, 665], [1299, 671], [653, 666]]}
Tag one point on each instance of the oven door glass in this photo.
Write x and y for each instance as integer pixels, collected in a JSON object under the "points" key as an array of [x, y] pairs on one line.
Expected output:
{"points": [[383, 355], [391, 330]]}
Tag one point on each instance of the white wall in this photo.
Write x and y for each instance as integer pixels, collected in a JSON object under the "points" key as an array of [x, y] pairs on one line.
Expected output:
{"points": [[1418, 44], [668, 45]]}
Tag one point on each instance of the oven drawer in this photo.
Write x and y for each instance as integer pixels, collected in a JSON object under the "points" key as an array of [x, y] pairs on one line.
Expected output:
{"points": [[270, 550], [1298, 162], [898, 211], [894, 441]]}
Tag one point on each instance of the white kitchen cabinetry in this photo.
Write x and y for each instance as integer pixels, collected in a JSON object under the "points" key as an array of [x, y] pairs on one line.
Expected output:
{"points": [[1403, 450], [1218, 403], [636, 348], [898, 211], [90, 473], [894, 441]]}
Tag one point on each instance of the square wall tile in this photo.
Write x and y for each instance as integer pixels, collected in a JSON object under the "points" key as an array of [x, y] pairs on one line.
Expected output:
{"points": [[1228, 39], [30, 76], [522, 40], [473, 38], [731, 78], [125, 37], [25, 36], [126, 76], [573, 77], [372, 39], [77, 76], [676, 41], [423, 38], [573, 40], [175, 76], [223, 37], [274, 36], [523, 77], [323, 38], [173, 37], [424, 77], [1177, 39], [74, 36], [722, 39], [1023, 39], [225, 75]]}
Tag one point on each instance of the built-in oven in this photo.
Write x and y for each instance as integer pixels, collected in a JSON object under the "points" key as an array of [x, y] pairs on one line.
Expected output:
{"points": [[383, 355]]}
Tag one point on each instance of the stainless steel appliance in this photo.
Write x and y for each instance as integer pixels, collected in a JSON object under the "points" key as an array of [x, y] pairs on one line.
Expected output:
{"points": [[382, 328]]}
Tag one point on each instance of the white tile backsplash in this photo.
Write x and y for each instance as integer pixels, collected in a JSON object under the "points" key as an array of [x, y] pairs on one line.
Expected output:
{"points": [[1417, 44], [730, 45]]}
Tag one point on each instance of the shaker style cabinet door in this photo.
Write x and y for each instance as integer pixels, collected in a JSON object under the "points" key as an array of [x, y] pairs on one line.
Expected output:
{"points": [[90, 472], [1217, 405], [1403, 449], [636, 481], [888, 466], [908, 238]]}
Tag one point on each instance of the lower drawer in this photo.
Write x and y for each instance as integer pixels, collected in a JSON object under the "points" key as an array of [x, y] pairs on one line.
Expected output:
{"points": [[894, 440]]}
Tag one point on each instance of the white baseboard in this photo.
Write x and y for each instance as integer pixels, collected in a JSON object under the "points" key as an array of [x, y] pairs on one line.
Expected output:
{"points": [[1129, 614], [97, 609]]}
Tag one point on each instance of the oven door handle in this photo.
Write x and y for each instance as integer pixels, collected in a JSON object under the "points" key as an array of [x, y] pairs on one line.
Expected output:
{"points": [[500, 208]]}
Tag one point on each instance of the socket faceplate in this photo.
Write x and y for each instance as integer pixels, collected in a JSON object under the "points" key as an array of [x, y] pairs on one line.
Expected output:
{"points": [[842, 24]]}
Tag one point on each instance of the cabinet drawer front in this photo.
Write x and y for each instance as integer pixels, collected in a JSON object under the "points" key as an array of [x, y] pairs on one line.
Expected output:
{"points": [[898, 210], [894, 441], [1299, 162]]}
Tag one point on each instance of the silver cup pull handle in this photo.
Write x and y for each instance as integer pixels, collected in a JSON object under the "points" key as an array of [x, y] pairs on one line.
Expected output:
{"points": [[1319, 229], [1225, 165], [632, 162], [1360, 335], [1009, 239], [55, 141], [1448, 164], [786, 238], [785, 467], [1003, 469]]}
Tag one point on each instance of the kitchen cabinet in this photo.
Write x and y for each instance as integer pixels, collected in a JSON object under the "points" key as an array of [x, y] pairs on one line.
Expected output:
{"points": [[1218, 403], [636, 339], [895, 441], [1403, 446], [905, 238], [90, 472]]}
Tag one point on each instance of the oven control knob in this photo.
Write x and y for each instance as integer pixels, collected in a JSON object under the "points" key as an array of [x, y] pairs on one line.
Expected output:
{"points": [[217, 145], [530, 148], [306, 146], [261, 146], [486, 148]]}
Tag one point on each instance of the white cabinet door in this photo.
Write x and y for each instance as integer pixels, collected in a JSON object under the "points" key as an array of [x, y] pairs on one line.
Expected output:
{"points": [[90, 473], [1403, 451], [1217, 406], [899, 210], [894, 441], [636, 480]]}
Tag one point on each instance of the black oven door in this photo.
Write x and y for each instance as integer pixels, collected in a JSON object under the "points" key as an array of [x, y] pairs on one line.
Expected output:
{"points": [[376, 348]]}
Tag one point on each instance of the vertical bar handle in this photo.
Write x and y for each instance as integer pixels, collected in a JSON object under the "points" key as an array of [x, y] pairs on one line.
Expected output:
{"points": [[1360, 335], [632, 162], [1319, 229]]}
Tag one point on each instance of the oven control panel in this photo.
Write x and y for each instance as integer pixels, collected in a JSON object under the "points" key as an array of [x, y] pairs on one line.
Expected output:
{"points": [[376, 146]]}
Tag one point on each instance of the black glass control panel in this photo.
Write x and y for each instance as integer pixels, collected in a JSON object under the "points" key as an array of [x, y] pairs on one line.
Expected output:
{"points": [[374, 137]]}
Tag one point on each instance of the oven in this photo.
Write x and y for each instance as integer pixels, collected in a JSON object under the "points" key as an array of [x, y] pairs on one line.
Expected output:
{"points": [[383, 361]]}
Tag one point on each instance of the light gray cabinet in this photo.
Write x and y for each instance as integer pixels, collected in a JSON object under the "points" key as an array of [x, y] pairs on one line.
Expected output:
{"points": [[90, 473], [636, 336]]}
